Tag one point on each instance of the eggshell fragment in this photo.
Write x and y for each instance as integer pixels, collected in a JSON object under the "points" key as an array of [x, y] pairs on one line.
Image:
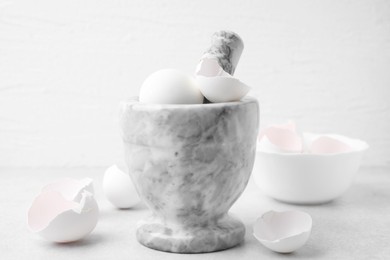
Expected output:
{"points": [[119, 188], [210, 67], [328, 145], [216, 84], [222, 88], [280, 139], [71, 189], [57, 218], [283, 232]]}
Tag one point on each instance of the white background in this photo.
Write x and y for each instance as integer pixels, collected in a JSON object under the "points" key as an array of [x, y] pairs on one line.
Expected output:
{"points": [[65, 66]]}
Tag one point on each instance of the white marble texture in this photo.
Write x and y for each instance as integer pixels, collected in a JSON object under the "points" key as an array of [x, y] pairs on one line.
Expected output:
{"points": [[226, 47], [189, 164]]}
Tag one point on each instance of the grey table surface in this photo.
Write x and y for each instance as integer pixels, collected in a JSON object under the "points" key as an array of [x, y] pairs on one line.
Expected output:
{"points": [[355, 226]]}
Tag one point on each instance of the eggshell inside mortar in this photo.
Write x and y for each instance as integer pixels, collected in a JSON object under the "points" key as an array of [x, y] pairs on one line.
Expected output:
{"points": [[208, 67], [216, 84], [222, 88], [281, 139]]}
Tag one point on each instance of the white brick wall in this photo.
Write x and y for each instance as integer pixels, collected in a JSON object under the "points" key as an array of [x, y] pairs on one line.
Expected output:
{"points": [[65, 65]]}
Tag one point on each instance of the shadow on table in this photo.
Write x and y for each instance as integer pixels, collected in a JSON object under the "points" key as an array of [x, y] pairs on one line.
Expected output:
{"points": [[252, 248], [90, 240]]}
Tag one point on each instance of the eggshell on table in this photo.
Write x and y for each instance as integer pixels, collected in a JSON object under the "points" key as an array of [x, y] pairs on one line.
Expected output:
{"points": [[119, 188], [283, 232], [71, 189], [65, 211]]}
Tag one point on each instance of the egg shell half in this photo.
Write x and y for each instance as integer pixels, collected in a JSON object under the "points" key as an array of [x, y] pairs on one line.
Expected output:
{"points": [[210, 67], [281, 139], [328, 145], [60, 220], [64, 211], [283, 232], [71, 189], [222, 88]]}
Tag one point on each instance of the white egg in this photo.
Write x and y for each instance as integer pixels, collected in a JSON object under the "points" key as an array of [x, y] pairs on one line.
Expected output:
{"points": [[119, 189], [65, 211], [170, 86], [283, 232]]}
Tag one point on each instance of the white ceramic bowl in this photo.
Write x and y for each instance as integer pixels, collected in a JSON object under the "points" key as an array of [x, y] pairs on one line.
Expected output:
{"points": [[306, 178]]}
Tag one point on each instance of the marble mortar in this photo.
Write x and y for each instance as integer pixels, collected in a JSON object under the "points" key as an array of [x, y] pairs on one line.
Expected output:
{"points": [[189, 164]]}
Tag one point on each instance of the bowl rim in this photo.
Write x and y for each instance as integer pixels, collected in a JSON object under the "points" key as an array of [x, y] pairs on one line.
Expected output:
{"points": [[363, 146]]}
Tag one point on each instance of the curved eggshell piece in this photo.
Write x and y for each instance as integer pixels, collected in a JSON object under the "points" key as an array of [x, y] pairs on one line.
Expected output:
{"points": [[222, 88], [64, 211], [328, 145], [283, 232], [280, 139], [70, 188], [209, 67]]}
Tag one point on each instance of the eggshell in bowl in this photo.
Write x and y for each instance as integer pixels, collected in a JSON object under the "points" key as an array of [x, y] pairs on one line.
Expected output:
{"points": [[283, 232], [280, 139], [328, 145], [307, 178]]}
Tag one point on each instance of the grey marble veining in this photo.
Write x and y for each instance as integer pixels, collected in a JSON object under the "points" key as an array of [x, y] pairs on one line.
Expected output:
{"points": [[189, 164], [227, 48]]}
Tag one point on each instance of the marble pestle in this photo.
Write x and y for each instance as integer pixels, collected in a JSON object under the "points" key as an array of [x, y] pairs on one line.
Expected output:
{"points": [[226, 47]]}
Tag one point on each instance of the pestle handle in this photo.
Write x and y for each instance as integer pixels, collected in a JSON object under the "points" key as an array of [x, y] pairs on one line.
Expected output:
{"points": [[226, 47]]}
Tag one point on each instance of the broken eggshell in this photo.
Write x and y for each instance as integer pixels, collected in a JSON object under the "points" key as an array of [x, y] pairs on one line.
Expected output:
{"points": [[283, 232], [328, 145], [216, 84], [280, 139], [209, 67], [119, 189], [65, 211], [71, 189]]}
